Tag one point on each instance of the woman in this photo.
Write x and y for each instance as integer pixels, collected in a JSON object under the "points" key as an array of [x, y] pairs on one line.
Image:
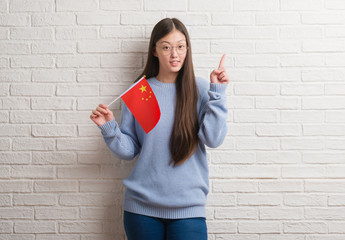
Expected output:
{"points": [[166, 191]]}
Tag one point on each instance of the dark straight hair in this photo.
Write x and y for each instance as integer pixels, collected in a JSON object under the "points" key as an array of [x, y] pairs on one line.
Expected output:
{"points": [[184, 138]]}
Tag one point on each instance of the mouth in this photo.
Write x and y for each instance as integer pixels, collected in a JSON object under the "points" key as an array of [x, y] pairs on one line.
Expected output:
{"points": [[175, 63]]}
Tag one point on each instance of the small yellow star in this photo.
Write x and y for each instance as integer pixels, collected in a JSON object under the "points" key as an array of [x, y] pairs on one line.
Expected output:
{"points": [[143, 88]]}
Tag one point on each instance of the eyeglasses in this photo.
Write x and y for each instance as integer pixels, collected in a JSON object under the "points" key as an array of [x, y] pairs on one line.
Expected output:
{"points": [[167, 49]]}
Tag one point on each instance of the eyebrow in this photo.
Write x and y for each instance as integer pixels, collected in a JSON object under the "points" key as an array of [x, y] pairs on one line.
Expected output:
{"points": [[177, 41]]}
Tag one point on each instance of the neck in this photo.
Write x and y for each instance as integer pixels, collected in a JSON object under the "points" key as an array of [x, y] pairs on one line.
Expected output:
{"points": [[167, 78]]}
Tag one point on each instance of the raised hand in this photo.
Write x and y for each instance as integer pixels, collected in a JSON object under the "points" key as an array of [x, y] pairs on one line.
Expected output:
{"points": [[101, 115], [219, 75]]}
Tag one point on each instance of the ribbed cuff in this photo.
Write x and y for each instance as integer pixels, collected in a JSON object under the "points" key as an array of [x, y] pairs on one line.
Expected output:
{"points": [[108, 128], [218, 88]]}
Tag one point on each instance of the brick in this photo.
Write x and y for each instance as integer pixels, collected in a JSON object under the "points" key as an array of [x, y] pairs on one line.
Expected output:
{"points": [[80, 200], [335, 116], [92, 213], [4, 172], [282, 237], [14, 186], [258, 199], [218, 199], [5, 201], [14, 158], [99, 46], [280, 186], [129, 5], [308, 5], [34, 200], [17, 236], [281, 18], [262, 5], [312, 18], [303, 200], [121, 32], [32, 6], [278, 47], [54, 158], [336, 200], [263, 227], [6, 227], [98, 19], [78, 61], [31, 117], [82, 117], [323, 103], [280, 130], [12, 20], [257, 144], [134, 46], [301, 117], [57, 237], [323, 157], [278, 157], [256, 172], [33, 172], [25, 144], [231, 46], [76, 33], [214, 32], [191, 19], [56, 213], [77, 144], [32, 62], [179, 5], [80, 6], [52, 75], [17, 103], [82, 172], [77, 90], [232, 19], [137, 18], [53, 48], [273, 213], [301, 89], [54, 186], [53, 131], [101, 186], [90, 103], [31, 90], [5, 144], [4, 63], [305, 227], [54, 103], [4, 117], [53, 19], [19, 213], [15, 76], [221, 226], [226, 186], [236, 213], [257, 61], [336, 227], [305, 144], [80, 227], [228, 157], [14, 48], [31, 34], [325, 186], [35, 227], [335, 213], [121, 61], [301, 32], [14, 130]]}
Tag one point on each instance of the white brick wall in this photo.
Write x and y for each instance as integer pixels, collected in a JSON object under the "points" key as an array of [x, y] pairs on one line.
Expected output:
{"points": [[280, 174]]}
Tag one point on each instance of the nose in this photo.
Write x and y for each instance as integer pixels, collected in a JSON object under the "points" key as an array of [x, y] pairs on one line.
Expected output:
{"points": [[174, 51]]}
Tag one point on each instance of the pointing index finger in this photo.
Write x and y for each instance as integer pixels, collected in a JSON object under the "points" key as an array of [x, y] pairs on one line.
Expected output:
{"points": [[221, 64]]}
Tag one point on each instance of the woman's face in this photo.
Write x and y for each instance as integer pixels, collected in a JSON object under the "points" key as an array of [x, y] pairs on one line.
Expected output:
{"points": [[171, 51]]}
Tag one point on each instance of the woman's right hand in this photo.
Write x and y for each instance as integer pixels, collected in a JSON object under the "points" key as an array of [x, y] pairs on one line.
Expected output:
{"points": [[101, 115]]}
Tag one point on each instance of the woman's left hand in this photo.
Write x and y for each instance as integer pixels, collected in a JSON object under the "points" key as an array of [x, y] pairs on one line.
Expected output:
{"points": [[219, 75]]}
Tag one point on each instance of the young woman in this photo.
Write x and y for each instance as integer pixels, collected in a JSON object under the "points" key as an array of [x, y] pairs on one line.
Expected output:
{"points": [[166, 191]]}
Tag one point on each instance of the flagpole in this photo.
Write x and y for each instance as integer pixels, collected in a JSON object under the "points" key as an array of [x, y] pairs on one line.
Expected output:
{"points": [[126, 91]]}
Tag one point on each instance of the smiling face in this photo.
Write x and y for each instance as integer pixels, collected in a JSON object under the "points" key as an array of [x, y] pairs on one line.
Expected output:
{"points": [[171, 52]]}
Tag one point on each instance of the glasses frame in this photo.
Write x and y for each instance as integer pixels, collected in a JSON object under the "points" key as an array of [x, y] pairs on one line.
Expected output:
{"points": [[172, 48]]}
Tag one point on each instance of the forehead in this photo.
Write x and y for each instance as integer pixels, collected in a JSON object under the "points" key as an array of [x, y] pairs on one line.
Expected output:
{"points": [[173, 37]]}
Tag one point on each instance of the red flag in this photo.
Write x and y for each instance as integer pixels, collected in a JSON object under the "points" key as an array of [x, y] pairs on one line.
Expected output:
{"points": [[143, 104]]}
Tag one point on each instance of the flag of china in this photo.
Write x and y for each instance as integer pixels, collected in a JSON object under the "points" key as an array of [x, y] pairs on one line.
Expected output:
{"points": [[143, 104]]}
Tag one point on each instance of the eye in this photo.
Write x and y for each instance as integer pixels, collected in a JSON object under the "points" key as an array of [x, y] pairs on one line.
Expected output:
{"points": [[165, 48], [181, 46]]}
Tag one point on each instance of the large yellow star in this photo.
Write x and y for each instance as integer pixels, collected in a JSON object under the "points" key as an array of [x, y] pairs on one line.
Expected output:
{"points": [[143, 88]]}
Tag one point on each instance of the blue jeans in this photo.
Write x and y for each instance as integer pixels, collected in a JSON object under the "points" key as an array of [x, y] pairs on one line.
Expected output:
{"points": [[140, 227]]}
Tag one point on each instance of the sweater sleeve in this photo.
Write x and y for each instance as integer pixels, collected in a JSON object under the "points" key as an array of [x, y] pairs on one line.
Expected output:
{"points": [[122, 141], [213, 115]]}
